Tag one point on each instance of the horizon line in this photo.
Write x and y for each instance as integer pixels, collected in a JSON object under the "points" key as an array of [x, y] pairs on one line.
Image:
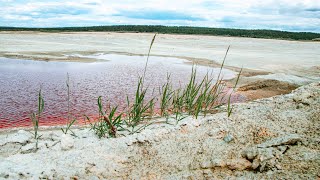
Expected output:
{"points": [[62, 27]]}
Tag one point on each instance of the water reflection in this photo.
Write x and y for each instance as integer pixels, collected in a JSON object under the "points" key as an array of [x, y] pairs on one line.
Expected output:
{"points": [[113, 77]]}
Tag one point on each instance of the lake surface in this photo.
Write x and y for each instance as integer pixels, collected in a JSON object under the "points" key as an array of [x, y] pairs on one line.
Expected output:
{"points": [[113, 77]]}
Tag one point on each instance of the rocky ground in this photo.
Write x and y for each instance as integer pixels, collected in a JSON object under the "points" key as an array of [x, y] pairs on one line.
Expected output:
{"points": [[273, 138]]}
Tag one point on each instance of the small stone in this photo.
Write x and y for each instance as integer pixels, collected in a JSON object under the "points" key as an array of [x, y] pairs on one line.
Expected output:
{"points": [[228, 138], [67, 142], [250, 153], [262, 166], [303, 98], [255, 164], [239, 164], [296, 98], [74, 178], [278, 166], [265, 154], [206, 164], [207, 173], [218, 163], [272, 162]]}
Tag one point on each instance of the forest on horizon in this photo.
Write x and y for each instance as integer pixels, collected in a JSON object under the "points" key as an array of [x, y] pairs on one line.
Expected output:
{"points": [[267, 34]]}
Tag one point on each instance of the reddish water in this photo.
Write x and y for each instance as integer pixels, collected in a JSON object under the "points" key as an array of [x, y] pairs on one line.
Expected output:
{"points": [[20, 81]]}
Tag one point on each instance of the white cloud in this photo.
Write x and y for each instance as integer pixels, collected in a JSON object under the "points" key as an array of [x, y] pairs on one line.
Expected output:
{"points": [[300, 15]]}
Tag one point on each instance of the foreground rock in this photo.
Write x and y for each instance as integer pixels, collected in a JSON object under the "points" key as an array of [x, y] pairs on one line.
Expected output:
{"points": [[272, 138]]}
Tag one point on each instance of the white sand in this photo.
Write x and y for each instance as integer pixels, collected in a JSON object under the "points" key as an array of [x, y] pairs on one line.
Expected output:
{"points": [[277, 56]]}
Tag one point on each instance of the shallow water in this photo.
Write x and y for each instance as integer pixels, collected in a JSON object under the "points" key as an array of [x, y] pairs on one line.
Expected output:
{"points": [[113, 79]]}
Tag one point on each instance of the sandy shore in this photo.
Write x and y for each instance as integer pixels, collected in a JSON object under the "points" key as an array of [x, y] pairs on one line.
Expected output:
{"points": [[270, 138]]}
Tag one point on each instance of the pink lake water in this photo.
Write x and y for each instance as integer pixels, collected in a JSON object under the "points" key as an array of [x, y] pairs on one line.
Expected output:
{"points": [[113, 77]]}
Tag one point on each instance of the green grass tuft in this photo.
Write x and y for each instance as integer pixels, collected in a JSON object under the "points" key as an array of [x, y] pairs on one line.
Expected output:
{"points": [[69, 122], [35, 117]]}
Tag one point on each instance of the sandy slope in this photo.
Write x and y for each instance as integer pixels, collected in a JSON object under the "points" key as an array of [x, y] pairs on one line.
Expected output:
{"points": [[270, 138]]}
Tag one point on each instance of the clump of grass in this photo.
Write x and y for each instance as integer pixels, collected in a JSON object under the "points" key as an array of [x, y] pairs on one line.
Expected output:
{"points": [[166, 95], [36, 116], [68, 127], [200, 97], [152, 103], [207, 93], [70, 122], [191, 92], [108, 122], [229, 106], [139, 109], [178, 105], [203, 97]]}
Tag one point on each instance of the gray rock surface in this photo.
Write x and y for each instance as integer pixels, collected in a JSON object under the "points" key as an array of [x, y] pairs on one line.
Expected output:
{"points": [[290, 139]]}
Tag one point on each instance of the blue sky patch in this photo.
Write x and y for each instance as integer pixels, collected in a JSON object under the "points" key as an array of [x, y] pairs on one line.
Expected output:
{"points": [[298, 15], [158, 15]]}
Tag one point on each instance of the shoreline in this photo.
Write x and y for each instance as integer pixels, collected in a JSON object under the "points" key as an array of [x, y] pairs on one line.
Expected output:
{"points": [[198, 61], [256, 90], [260, 88], [265, 143], [152, 33]]}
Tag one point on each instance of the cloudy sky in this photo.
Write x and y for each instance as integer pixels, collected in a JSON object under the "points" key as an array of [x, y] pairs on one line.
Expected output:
{"points": [[289, 15]]}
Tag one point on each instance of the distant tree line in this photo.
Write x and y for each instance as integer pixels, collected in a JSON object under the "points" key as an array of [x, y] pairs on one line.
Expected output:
{"points": [[268, 34]]}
